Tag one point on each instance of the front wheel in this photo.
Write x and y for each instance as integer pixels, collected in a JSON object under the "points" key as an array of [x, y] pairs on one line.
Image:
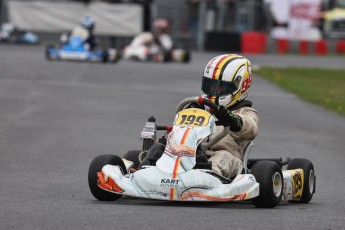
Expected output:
{"points": [[270, 177], [104, 57], [134, 156], [309, 177], [95, 167], [181, 55], [113, 55]]}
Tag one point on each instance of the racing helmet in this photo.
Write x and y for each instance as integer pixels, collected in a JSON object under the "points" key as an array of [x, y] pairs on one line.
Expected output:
{"points": [[160, 25], [226, 79], [88, 22], [7, 27]]}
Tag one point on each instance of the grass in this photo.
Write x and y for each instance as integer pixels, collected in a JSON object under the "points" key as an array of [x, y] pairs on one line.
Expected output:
{"points": [[322, 87]]}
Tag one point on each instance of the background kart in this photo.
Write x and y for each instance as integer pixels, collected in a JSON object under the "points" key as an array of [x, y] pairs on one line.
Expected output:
{"points": [[10, 35], [176, 169], [77, 50], [143, 48]]}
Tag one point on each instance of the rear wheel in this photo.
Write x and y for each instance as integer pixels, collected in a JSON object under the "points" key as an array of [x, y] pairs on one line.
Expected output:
{"points": [[186, 57], [153, 155], [270, 177], [95, 167], [104, 56], [113, 55], [309, 178], [47, 53]]}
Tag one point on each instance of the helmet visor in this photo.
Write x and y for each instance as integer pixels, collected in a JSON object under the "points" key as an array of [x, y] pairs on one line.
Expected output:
{"points": [[212, 87]]}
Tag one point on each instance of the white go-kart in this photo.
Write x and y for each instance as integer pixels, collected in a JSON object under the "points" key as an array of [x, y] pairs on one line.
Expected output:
{"points": [[175, 168], [144, 48]]}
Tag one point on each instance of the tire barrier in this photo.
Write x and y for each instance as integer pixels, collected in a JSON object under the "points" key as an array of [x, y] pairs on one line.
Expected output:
{"points": [[340, 47], [260, 43], [253, 42]]}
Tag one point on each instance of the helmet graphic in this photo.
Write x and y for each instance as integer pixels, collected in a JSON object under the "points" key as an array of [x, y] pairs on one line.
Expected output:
{"points": [[88, 22], [226, 79], [160, 25]]}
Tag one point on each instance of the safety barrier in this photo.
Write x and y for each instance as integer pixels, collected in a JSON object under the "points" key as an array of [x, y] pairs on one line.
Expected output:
{"points": [[258, 43], [60, 16], [253, 42]]}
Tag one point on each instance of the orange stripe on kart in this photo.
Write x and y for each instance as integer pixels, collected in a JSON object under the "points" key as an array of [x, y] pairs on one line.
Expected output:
{"points": [[109, 185], [177, 165], [172, 193], [191, 195], [185, 135]]}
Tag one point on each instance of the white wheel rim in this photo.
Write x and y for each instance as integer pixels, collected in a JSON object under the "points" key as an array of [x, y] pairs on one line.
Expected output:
{"points": [[311, 181], [277, 184]]}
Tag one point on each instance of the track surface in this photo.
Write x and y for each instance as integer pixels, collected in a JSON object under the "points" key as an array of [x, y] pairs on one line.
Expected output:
{"points": [[55, 117]]}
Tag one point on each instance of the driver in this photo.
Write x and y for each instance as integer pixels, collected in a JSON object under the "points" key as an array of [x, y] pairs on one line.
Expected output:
{"points": [[226, 82], [161, 36], [6, 32], [88, 23]]}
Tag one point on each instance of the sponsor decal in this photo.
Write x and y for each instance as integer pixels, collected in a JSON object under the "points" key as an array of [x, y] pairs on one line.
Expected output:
{"points": [[287, 191], [246, 84], [147, 134], [73, 55], [154, 192], [209, 64], [297, 184], [169, 182], [173, 149], [203, 196], [305, 10]]}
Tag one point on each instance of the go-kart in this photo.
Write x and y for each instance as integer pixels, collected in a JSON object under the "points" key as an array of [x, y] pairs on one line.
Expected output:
{"points": [[144, 48], [75, 49], [175, 168], [10, 35]]}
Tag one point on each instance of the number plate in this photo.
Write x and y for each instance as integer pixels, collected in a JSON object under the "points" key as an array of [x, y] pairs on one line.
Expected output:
{"points": [[192, 118]]}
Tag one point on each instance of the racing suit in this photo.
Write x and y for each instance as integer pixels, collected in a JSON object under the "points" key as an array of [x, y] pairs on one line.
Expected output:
{"points": [[149, 46], [227, 155], [164, 41], [91, 40]]}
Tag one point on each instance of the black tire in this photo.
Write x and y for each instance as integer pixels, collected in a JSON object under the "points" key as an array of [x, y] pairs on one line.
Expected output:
{"points": [[133, 156], [167, 56], [154, 153], [111, 58], [187, 57], [105, 56], [270, 177], [95, 167], [47, 56], [309, 178]]}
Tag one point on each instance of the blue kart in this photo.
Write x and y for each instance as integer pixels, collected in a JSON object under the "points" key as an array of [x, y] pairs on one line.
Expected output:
{"points": [[76, 49]]}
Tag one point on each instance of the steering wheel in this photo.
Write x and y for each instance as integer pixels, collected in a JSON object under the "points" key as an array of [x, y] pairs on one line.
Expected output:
{"points": [[198, 100]]}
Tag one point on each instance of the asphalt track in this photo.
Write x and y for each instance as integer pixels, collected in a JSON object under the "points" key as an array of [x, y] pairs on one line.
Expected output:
{"points": [[55, 117]]}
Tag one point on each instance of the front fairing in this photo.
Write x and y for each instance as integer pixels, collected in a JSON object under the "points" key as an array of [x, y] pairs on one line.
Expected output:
{"points": [[191, 126], [173, 177], [144, 38]]}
